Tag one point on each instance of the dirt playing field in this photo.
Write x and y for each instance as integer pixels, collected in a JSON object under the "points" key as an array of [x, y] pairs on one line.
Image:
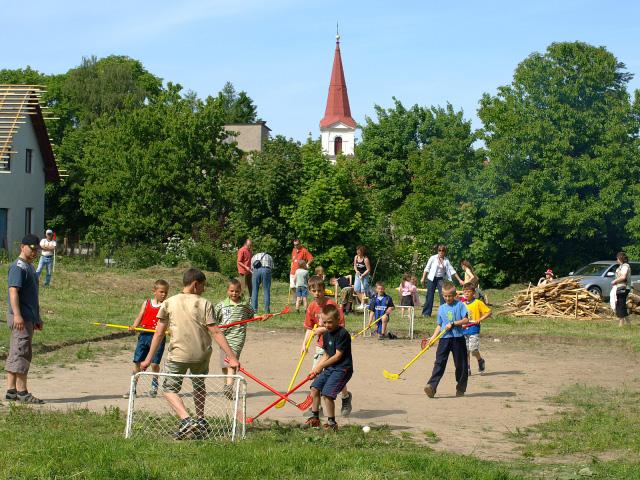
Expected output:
{"points": [[512, 393]]}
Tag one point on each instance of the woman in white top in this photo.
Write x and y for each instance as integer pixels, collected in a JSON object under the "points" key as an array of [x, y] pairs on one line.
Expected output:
{"points": [[362, 267], [437, 269], [620, 291]]}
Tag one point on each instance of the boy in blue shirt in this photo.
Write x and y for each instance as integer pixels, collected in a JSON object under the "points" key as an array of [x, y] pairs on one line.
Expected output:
{"points": [[452, 316], [380, 307]]}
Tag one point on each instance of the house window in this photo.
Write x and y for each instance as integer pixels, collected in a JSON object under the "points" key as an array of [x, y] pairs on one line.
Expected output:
{"points": [[28, 213], [4, 228], [5, 161], [337, 146], [28, 158]]}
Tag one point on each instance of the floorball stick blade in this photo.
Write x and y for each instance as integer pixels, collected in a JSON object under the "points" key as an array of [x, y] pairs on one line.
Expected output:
{"points": [[281, 404], [390, 376], [306, 404]]}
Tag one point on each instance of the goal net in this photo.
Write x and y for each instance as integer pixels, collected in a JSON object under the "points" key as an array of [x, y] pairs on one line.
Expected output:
{"points": [[218, 409]]}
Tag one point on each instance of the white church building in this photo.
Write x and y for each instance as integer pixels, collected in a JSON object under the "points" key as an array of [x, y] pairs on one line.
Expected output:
{"points": [[337, 127]]}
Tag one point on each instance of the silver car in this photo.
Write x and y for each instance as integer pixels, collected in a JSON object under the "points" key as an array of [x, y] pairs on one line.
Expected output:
{"points": [[597, 276]]}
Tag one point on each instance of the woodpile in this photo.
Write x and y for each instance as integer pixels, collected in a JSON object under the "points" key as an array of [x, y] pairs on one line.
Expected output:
{"points": [[558, 299], [633, 302]]}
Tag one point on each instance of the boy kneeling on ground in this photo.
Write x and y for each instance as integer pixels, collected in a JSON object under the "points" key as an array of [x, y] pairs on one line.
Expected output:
{"points": [[333, 371]]}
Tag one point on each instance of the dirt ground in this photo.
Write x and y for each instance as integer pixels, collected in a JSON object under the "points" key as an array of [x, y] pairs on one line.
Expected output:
{"points": [[513, 393]]}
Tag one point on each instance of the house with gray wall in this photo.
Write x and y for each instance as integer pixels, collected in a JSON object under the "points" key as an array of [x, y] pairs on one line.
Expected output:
{"points": [[26, 164], [250, 137]]}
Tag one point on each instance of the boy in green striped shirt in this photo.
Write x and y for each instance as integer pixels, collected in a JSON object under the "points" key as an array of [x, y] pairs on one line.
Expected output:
{"points": [[229, 310]]}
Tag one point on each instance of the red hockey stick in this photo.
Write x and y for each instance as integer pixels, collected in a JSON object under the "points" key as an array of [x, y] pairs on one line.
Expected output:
{"points": [[266, 316], [302, 405], [275, 402]]}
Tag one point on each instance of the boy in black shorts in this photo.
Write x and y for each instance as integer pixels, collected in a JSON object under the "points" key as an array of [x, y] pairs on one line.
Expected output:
{"points": [[333, 371]]}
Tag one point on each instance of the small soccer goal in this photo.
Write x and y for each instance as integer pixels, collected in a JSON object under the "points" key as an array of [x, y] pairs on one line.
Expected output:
{"points": [[218, 409]]}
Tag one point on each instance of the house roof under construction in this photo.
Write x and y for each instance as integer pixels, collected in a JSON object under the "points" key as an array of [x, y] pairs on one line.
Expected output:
{"points": [[17, 102]]}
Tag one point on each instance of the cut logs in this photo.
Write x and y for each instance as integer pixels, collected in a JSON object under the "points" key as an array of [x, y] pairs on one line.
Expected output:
{"points": [[633, 302], [558, 299]]}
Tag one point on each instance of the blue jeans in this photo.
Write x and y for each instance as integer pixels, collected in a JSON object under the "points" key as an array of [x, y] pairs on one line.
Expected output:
{"points": [[46, 262], [431, 291], [261, 276]]}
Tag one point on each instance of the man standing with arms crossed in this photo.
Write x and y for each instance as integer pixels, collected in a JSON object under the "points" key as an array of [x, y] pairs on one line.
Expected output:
{"points": [[244, 266], [23, 318]]}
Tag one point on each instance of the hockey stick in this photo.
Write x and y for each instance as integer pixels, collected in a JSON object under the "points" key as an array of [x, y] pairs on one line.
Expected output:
{"points": [[353, 337], [286, 395], [124, 327], [395, 376], [302, 405], [266, 316], [295, 374]]}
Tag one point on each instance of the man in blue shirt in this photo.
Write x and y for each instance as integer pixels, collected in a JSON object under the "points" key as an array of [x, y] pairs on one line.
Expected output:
{"points": [[23, 318], [452, 316]]}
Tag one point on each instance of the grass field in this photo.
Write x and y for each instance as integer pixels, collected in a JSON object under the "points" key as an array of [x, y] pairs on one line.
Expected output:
{"points": [[594, 435]]}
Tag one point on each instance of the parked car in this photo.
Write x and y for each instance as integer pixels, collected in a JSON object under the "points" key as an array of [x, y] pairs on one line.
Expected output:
{"points": [[597, 276]]}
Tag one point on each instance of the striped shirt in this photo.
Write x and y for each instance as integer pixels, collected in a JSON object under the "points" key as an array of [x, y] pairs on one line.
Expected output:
{"points": [[226, 312]]}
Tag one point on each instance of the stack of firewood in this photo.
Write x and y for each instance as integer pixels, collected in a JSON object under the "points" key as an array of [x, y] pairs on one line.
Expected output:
{"points": [[558, 299], [633, 302]]}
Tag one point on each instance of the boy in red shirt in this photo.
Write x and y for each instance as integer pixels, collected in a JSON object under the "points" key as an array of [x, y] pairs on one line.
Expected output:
{"points": [[148, 318], [313, 318]]}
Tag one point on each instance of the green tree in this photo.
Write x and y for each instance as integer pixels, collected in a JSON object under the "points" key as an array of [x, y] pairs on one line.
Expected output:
{"points": [[254, 191], [562, 145], [443, 176], [238, 106], [154, 171]]}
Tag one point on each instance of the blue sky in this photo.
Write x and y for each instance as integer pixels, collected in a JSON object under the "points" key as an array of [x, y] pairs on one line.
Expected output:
{"points": [[281, 51]]}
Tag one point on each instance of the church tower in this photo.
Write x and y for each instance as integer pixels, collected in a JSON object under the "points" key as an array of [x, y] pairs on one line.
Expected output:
{"points": [[337, 128]]}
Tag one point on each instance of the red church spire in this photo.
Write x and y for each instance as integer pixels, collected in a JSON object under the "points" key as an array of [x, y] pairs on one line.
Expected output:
{"points": [[338, 109]]}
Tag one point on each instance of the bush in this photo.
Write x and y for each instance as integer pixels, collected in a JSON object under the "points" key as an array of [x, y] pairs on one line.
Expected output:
{"points": [[203, 256], [137, 256]]}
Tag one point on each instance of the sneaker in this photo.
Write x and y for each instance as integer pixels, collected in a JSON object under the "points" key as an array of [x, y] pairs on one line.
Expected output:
{"points": [[204, 429], [11, 395], [185, 429], [459, 393], [153, 392], [481, 365], [346, 405], [26, 397], [392, 336], [331, 426], [430, 391], [312, 422], [309, 413]]}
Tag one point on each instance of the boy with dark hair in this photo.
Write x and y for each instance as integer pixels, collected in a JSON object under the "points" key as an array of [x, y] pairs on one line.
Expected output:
{"points": [[380, 308], [192, 324], [148, 318], [452, 316], [333, 371], [313, 319], [478, 312]]}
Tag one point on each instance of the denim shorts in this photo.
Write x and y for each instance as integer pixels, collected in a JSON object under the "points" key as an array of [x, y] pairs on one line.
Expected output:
{"points": [[302, 292], [143, 346], [361, 285], [332, 380]]}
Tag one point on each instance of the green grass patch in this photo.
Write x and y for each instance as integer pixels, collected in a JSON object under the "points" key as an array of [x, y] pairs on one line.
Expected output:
{"points": [[596, 420], [81, 444]]}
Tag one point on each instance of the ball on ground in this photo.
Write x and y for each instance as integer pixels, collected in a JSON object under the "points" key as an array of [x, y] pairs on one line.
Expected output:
{"points": [[366, 429]]}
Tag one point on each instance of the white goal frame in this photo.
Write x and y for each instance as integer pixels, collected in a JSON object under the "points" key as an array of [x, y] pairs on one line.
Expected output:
{"points": [[239, 410]]}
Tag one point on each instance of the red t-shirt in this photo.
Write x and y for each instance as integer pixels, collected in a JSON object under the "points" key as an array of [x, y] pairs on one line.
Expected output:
{"points": [[244, 257], [313, 316], [297, 255], [150, 316]]}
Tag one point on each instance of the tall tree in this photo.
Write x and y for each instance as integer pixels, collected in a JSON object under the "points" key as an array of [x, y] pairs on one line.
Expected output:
{"points": [[562, 143], [238, 106]]}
